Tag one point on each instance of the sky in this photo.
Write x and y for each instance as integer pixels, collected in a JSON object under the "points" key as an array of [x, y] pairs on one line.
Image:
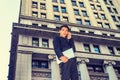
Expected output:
{"points": [[9, 13]]}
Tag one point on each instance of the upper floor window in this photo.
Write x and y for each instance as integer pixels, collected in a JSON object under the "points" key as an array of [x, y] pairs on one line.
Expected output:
{"points": [[84, 13], [87, 47], [99, 7], [79, 21], [96, 15], [55, 8], [81, 4], [118, 26], [92, 6], [45, 43], [100, 24], [43, 15], [35, 42], [111, 50], [111, 2], [118, 50], [107, 25], [39, 64], [94, 68], [34, 4], [115, 10], [105, 1], [114, 18], [74, 3], [42, 6], [57, 18], [62, 1], [65, 19], [103, 16], [34, 24], [63, 9], [109, 9], [96, 49], [87, 22], [34, 14], [76, 12]]}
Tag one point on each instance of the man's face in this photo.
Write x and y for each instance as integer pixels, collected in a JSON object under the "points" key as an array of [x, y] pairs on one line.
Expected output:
{"points": [[63, 32]]}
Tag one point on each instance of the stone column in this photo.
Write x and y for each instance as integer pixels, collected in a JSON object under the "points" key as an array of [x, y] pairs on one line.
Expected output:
{"points": [[83, 68], [55, 71], [110, 70], [23, 66]]}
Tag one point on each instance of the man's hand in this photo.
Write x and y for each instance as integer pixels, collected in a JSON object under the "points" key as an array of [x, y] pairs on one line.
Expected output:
{"points": [[69, 35], [64, 59]]}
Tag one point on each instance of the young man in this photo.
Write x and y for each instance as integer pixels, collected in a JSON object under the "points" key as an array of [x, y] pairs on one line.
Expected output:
{"points": [[61, 43]]}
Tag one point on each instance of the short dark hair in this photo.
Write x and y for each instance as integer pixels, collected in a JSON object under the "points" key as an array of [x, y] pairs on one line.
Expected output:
{"points": [[66, 26]]}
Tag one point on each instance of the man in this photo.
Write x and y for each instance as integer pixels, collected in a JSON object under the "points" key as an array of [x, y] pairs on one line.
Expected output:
{"points": [[61, 43]]}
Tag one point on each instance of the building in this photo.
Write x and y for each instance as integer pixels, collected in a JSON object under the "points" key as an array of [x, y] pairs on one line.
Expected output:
{"points": [[95, 25]]}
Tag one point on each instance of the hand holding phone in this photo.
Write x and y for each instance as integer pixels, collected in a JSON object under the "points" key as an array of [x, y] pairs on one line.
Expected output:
{"points": [[69, 35]]}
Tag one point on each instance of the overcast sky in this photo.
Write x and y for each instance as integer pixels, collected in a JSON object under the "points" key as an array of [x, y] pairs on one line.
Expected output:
{"points": [[9, 12]]}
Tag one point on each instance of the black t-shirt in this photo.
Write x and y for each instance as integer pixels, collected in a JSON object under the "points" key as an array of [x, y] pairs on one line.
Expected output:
{"points": [[61, 44]]}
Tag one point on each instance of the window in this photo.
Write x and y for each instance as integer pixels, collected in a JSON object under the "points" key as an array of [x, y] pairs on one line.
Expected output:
{"points": [[63, 9], [79, 21], [34, 4], [114, 18], [99, 7], [74, 3], [87, 22], [111, 2], [56, 8], [35, 42], [54, 0], [103, 16], [43, 15], [76, 12], [118, 50], [81, 4], [34, 24], [104, 34], [95, 68], [109, 9], [118, 26], [115, 10], [84, 13], [65, 19], [105, 1], [62, 1], [97, 1], [100, 24], [45, 43], [107, 25], [119, 18], [96, 49], [111, 50], [42, 6], [96, 15], [57, 18], [87, 48], [35, 14], [39, 64], [92, 6]]}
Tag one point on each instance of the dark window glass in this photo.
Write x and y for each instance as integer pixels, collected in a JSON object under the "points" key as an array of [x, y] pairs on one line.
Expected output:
{"points": [[96, 49], [118, 50], [100, 24], [62, 1], [114, 18], [84, 13], [55, 8], [76, 12], [45, 43], [96, 15], [111, 50], [74, 3], [42, 6], [81, 4], [87, 48], [57, 18], [109, 9], [35, 14], [92, 6], [39, 64], [54, 0], [65, 19], [34, 4], [35, 42], [63, 9], [103, 16], [79, 21], [107, 25], [87, 22], [115, 10]]}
